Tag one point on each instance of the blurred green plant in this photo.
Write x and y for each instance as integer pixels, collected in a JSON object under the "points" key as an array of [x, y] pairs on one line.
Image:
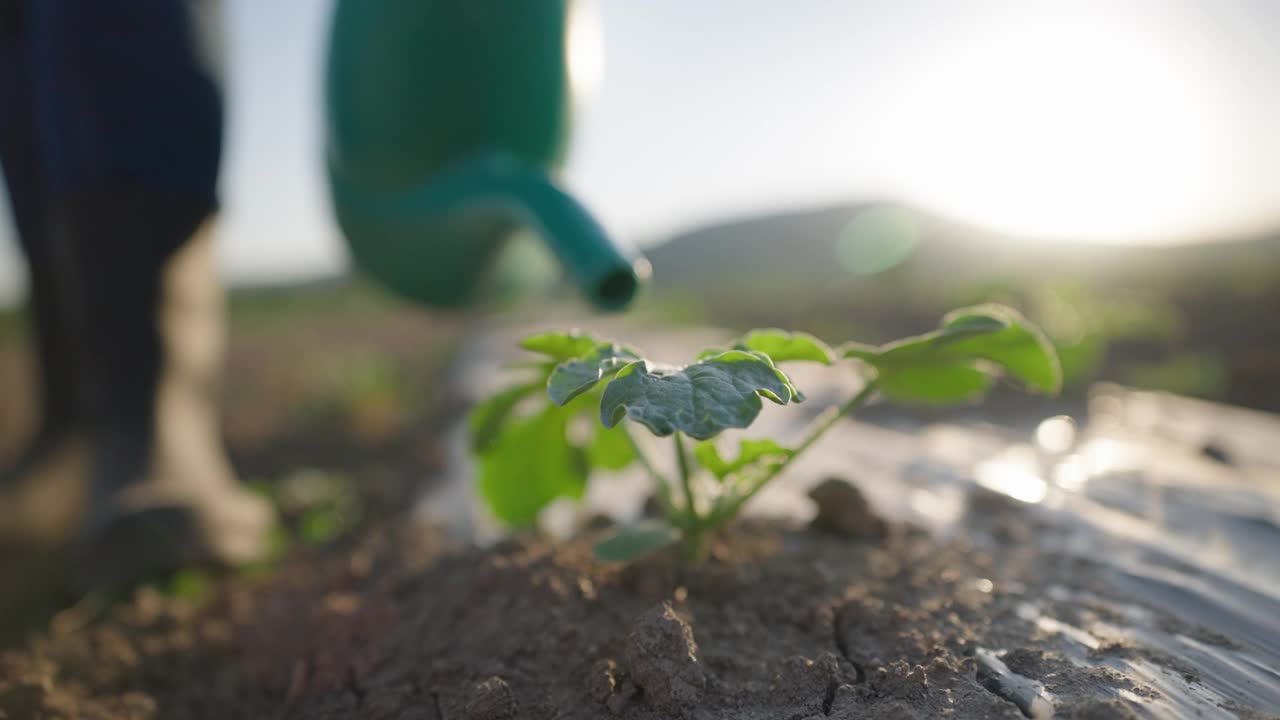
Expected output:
{"points": [[191, 585], [265, 308], [1084, 322], [1197, 374], [321, 505], [370, 394], [316, 506]]}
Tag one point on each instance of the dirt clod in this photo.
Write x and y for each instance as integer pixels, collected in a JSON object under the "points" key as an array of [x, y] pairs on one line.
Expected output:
{"points": [[662, 657], [844, 511], [492, 699]]}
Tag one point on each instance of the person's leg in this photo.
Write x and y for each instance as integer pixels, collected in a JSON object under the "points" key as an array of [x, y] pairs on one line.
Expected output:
{"points": [[162, 493], [128, 125], [22, 179]]}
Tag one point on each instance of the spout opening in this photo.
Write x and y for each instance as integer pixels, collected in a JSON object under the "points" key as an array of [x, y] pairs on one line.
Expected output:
{"points": [[616, 289]]}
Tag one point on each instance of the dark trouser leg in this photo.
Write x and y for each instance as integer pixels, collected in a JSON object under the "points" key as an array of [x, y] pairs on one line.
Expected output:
{"points": [[27, 201], [128, 134]]}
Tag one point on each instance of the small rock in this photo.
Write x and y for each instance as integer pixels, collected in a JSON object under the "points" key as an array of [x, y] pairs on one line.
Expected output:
{"points": [[844, 511], [599, 521], [663, 661], [1216, 452], [652, 507], [491, 700]]}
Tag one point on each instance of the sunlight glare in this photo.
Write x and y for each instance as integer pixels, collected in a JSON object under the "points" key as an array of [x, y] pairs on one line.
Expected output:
{"points": [[1072, 474], [1015, 473], [1056, 434], [584, 49], [1069, 127]]}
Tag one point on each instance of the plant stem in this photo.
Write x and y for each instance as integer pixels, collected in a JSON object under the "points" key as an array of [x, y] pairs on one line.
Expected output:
{"points": [[695, 526], [696, 545], [820, 427], [686, 482], [661, 484]]}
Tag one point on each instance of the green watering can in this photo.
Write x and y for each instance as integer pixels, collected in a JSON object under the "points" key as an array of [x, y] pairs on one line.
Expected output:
{"points": [[446, 119]]}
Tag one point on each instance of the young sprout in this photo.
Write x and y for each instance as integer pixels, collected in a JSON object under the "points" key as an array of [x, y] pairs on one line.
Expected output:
{"points": [[528, 457]]}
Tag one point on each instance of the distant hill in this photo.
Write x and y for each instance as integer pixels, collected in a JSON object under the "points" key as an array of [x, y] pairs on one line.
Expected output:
{"points": [[812, 248]]}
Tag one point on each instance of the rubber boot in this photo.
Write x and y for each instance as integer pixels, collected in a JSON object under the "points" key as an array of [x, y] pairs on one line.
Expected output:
{"points": [[148, 313]]}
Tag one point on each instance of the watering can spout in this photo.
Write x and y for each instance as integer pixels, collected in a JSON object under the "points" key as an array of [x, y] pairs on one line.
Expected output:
{"points": [[606, 271], [435, 242]]}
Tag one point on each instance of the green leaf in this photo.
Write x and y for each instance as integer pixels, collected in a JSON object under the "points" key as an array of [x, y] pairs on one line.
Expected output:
{"points": [[699, 400], [574, 377], [633, 541], [1019, 347], [610, 449], [561, 345], [782, 346], [978, 320], [750, 453], [940, 383], [962, 359], [861, 351], [488, 417], [529, 464]]}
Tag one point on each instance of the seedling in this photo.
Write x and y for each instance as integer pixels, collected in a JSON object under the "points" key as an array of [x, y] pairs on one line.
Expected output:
{"points": [[534, 446]]}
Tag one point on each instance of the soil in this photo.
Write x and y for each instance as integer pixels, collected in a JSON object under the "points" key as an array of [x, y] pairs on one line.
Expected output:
{"points": [[780, 623]]}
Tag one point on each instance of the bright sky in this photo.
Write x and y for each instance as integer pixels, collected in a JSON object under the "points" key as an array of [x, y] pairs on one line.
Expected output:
{"points": [[1104, 120]]}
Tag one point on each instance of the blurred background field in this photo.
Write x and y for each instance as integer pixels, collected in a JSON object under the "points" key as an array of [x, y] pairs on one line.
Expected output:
{"points": [[327, 372], [852, 169], [327, 375]]}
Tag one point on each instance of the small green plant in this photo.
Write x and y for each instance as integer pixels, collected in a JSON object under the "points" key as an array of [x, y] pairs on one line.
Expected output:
{"points": [[542, 438]]}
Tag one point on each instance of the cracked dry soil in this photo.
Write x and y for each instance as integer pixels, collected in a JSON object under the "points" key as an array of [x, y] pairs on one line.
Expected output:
{"points": [[781, 623]]}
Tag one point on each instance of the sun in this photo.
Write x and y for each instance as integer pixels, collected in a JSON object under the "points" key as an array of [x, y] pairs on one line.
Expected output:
{"points": [[1064, 127]]}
